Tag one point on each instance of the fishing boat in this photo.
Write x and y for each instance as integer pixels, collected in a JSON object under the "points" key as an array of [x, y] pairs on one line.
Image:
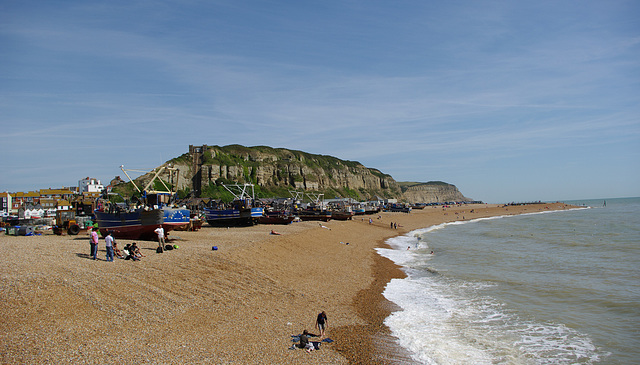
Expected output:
{"points": [[138, 218], [277, 211], [314, 211], [312, 214], [137, 224], [240, 212], [398, 208], [276, 217], [371, 209], [342, 215], [173, 217], [358, 211]]}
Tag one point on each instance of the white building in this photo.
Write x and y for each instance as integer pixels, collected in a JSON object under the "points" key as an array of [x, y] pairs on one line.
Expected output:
{"points": [[34, 213], [90, 185]]}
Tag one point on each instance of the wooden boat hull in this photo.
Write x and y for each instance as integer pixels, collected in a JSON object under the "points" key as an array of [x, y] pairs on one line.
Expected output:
{"points": [[342, 216], [315, 216], [276, 217], [270, 219]]}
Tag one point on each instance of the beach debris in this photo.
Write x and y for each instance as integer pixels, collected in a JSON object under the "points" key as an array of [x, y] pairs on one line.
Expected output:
{"points": [[214, 248]]}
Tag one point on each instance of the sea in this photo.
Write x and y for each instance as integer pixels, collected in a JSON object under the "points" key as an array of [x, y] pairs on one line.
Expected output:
{"points": [[560, 287]]}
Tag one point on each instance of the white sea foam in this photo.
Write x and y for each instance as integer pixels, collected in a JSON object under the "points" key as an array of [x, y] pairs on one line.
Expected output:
{"points": [[443, 322]]}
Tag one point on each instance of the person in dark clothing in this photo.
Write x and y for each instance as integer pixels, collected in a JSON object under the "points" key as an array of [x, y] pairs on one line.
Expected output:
{"points": [[304, 341], [321, 323]]}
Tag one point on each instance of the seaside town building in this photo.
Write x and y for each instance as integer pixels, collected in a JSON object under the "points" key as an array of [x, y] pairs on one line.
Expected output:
{"points": [[5, 203], [90, 185], [57, 194], [45, 202]]}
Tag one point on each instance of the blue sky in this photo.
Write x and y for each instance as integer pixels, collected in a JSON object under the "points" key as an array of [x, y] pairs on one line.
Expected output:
{"points": [[508, 100]]}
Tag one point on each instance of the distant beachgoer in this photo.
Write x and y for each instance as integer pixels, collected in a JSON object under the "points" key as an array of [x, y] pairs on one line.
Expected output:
{"points": [[321, 323], [275, 233], [391, 224], [160, 232], [108, 244], [432, 252], [94, 243], [395, 226]]}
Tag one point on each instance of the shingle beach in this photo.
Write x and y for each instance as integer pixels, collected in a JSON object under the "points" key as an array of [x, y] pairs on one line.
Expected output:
{"points": [[239, 304]]}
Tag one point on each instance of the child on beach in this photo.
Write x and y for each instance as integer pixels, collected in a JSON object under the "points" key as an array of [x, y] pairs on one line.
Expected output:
{"points": [[117, 251]]}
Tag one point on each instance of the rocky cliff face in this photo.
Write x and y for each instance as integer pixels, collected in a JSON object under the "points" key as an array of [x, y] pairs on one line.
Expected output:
{"points": [[271, 168], [435, 192], [278, 168]]}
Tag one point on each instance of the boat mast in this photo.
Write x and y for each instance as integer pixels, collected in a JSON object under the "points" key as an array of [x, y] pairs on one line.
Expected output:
{"points": [[130, 179], [242, 189]]}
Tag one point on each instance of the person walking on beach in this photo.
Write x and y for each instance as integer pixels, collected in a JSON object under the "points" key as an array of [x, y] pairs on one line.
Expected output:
{"points": [[94, 243], [321, 323], [108, 244], [160, 232]]}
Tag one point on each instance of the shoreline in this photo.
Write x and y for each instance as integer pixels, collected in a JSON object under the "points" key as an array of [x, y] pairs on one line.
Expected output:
{"points": [[239, 304], [378, 345], [375, 344]]}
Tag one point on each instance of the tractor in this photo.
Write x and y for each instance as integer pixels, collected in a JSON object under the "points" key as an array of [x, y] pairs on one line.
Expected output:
{"points": [[66, 220]]}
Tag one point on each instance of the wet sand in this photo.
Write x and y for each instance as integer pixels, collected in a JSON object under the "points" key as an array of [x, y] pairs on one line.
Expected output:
{"points": [[239, 304]]}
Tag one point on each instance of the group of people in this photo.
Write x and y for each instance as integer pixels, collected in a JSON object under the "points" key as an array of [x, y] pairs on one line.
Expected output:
{"points": [[321, 325], [130, 252]]}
